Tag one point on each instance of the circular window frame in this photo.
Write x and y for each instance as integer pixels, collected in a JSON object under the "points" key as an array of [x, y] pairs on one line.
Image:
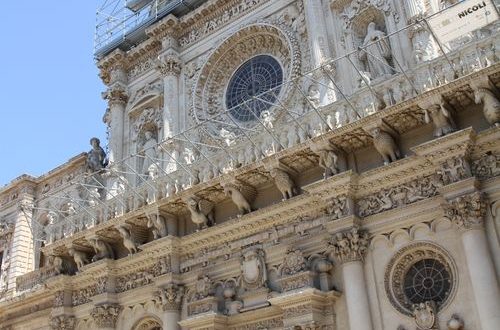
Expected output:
{"points": [[397, 269], [278, 97]]}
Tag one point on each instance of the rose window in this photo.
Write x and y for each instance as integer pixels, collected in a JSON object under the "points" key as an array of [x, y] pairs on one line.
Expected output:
{"points": [[427, 280], [254, 87], [418, 273]]}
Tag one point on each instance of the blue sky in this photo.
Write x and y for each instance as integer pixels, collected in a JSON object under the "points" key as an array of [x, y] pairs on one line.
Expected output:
{"points": [[49, 89]]}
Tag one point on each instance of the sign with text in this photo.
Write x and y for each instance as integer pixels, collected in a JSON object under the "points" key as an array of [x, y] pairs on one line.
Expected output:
{"points": [[463, 18]]}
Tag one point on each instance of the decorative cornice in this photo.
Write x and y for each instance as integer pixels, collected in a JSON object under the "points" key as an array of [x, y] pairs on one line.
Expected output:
{"points": [[106, 315], [467, 211], [349, 246]]}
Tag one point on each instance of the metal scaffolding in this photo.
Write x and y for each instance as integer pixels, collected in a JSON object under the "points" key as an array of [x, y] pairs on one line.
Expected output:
{"points": [[198, 154]]}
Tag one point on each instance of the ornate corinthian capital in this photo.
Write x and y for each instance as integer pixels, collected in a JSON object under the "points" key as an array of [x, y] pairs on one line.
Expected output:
{"points": [[169, 64], [349, 246], [171, 297], [116, 95], [467, 211], [62, 322], [106, 315]]}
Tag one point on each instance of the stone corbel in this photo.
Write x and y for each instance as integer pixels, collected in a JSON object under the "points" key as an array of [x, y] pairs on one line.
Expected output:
{"points": [[80, 255], [241, 193], [487, 94], [282, 175], [202, 211], [102, 247], [157, 222], [129, 240], [331, 158]]}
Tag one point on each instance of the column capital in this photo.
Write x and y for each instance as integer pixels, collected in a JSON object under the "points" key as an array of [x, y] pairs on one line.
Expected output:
{"points": [[466, 211], [116, 94], [171, 296], [169, 63], [62, 322], [106, 315], [350, 245]]}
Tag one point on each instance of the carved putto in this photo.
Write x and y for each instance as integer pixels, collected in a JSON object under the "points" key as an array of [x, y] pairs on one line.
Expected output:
{"points": [[425, 315], [349, 246], [253, 269], [202, 212], [338, 207], [203, 288], [488, 166], [491, 105], [441, 118], [242, 195], [134, 280], [453, 170]]}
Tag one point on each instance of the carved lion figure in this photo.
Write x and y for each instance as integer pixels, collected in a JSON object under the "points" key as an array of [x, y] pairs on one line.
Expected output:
{"points": [[80, 257], [283, 182], [385, 145], [126, 232]]}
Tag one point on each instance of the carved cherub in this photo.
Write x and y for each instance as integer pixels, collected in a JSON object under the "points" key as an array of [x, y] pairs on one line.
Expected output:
{"points": [[442, 119], [385, 145], [80, 257], [283, 182]]}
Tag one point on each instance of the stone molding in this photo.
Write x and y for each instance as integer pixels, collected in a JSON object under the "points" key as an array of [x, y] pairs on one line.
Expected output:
{"points": [[106, 315], [467, 211], [349, 246]]}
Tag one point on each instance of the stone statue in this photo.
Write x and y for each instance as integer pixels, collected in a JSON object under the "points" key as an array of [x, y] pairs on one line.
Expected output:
{"points": [[442, 119], [283, 182], [80, 257], [491, 105], [376, 52], [102, 249], [96, 157], [125, 231], [328, 160], [158, 225], [385, 145], [313, 95], [202, 212], [149, 152], [240, 197], [267, 119]]}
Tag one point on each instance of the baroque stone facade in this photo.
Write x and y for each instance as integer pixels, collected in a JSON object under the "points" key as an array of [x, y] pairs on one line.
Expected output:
{"points": [[291, 164]]}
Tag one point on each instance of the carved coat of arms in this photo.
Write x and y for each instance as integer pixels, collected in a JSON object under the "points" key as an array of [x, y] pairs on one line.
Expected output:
{"points": [[253, 269]]}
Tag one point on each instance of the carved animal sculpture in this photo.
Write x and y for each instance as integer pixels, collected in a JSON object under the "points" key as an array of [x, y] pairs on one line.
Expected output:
{"points": [[202, 213], [80, 257], [491, 105], [441, 118], [102, 249], [328, 160], [283, 182], [238, 198], [158, 226], [128, 242], [385, 145]]}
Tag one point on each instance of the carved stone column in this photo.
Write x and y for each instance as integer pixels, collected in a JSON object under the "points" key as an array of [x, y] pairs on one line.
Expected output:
{"points": [[106, 315], [117, 100], [467, 213], [349, 249], [170, 68], [171, 300], [62, 322]]}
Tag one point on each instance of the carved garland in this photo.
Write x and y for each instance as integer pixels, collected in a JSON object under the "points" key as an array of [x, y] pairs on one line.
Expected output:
{"points": [[405, 258]]}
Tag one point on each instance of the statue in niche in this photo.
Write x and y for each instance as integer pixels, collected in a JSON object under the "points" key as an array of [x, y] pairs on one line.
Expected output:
{"points": [[376, 52], [149, 152], [96, 157], [314, 96]]}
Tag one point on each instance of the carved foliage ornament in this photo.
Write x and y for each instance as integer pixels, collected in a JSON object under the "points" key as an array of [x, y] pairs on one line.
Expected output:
{"points": [[106, 315], [349, 246], [62, 322], [466, 212], [418, 273], [170, 296], [293, 263]]}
